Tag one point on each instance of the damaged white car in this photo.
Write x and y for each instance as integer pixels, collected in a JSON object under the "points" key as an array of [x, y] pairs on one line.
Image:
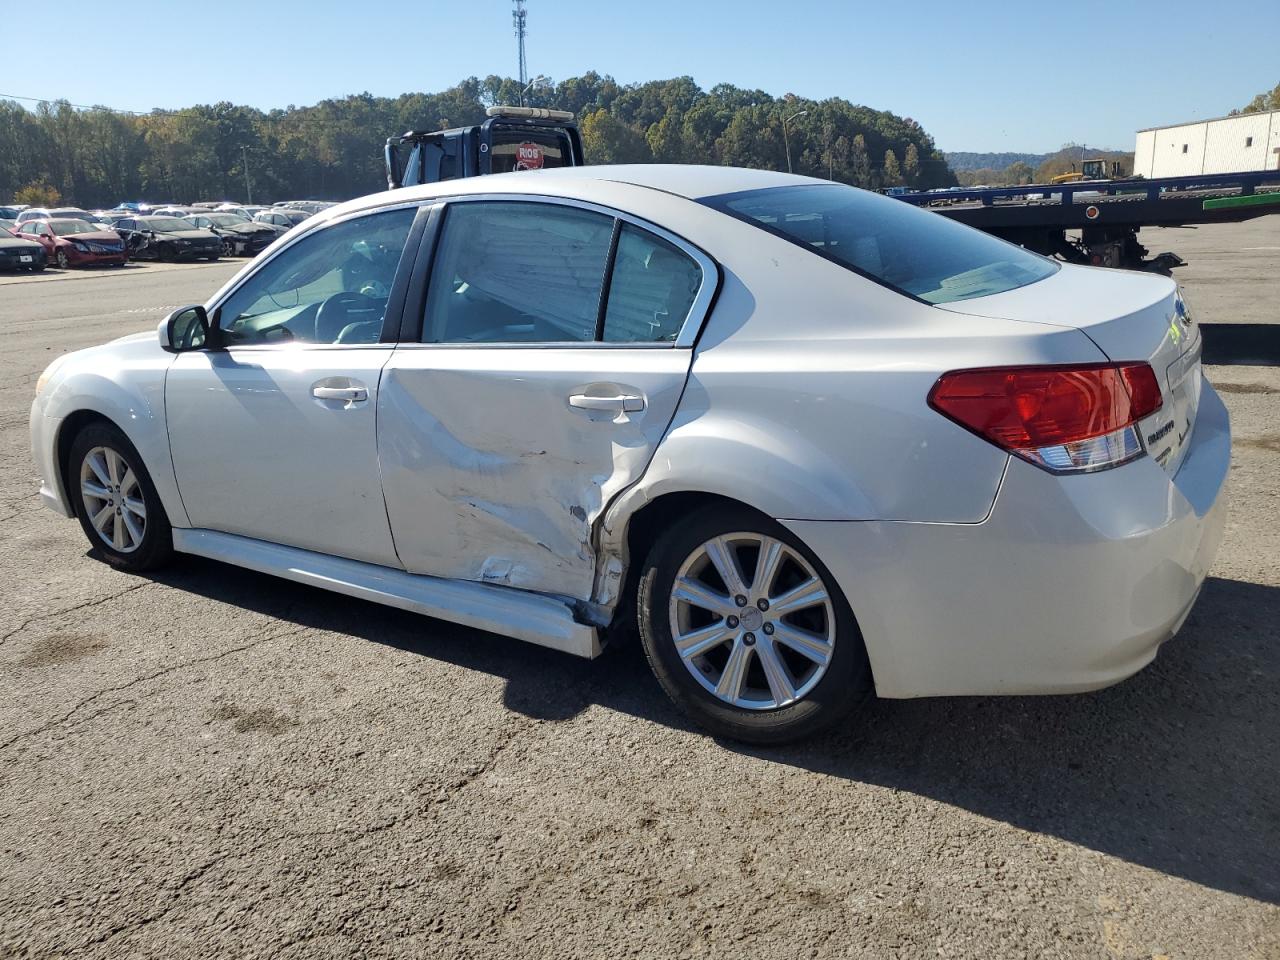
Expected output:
{"points": [[815, 442]]}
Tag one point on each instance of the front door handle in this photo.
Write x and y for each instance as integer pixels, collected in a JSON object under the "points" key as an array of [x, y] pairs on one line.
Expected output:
{"points": [[623, 403], [349, 394]]}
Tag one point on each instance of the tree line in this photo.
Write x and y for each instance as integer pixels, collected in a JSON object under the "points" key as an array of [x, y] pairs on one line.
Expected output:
{"points": [[97, 157], [1266, 101]]}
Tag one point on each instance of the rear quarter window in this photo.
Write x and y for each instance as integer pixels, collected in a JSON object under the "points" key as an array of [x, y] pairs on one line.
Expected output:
{"points": [[915, 252]]}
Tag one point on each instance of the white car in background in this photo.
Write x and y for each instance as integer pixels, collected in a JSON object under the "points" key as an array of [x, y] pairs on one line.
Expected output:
{"points": [[815, 441]]}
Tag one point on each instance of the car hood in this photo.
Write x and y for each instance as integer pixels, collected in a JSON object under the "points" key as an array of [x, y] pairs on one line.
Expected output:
{"points": [[97, 236], [17, 242], [195, 233], [247, 229]]}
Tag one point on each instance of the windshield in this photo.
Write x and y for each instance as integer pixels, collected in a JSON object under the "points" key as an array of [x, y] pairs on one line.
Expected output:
{"points": [[64, 227], [165, 224], [912, 251], [226, 219]]}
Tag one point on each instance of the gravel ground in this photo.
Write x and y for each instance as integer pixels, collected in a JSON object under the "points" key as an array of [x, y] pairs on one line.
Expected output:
{"points": [[212, 762]]}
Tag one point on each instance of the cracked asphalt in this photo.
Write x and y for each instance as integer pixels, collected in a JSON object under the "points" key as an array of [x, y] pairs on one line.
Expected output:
{"points": [[211, 762]]}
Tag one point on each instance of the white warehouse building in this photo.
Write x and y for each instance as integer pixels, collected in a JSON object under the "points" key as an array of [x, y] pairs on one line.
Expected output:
{"points": [[1247, 142]]}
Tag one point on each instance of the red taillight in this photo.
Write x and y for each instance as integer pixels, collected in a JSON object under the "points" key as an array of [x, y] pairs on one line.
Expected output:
{"points": [[1025, 409]]}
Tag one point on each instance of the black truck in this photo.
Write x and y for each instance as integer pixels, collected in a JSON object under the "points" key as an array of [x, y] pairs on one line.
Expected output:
{"points": [[512, 138]]}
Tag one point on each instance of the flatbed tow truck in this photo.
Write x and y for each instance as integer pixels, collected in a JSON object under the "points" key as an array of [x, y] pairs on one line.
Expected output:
{"points": [[1108, 213]]}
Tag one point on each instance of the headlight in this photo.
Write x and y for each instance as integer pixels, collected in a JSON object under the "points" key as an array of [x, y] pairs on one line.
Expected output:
{"points": [[49, 371]]}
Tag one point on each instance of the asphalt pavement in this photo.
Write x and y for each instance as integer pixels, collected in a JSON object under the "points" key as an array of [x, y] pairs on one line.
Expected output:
{"points": [[210, 762]]}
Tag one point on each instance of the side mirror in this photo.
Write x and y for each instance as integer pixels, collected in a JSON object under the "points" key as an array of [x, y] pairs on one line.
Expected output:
{"points": [[187, 328]]}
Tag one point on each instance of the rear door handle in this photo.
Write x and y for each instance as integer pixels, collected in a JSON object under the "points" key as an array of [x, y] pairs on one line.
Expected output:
{"points": [[622, 403], [349, 394]]}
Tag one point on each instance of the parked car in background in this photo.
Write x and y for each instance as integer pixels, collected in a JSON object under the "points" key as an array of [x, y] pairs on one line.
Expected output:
{"points": [[812, 441], [245, 210], [75, 243], [53, 213], [11, 212], [240, 237], [168, 239], [9, 225], [111, 216], [20, 253], [282, 217], [176, 210]]}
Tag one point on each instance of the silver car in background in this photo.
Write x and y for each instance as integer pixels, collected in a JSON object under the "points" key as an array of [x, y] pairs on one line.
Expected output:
{"points": [[814, 442]]}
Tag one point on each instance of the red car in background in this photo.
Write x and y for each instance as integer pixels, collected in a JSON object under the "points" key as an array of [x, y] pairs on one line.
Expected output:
{"points": [[75, 243]]}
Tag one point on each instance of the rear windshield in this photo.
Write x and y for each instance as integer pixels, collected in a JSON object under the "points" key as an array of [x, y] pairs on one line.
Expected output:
{"points": [[524, 148], [912, 251]]}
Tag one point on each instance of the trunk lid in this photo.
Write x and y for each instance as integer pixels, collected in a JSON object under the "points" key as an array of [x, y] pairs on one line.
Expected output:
{"points": [[1131, 317]]}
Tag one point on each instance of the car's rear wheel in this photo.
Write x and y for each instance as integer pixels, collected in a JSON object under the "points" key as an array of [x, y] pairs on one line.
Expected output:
{"points": [[747, 631], [63, 262], [115, 500]]}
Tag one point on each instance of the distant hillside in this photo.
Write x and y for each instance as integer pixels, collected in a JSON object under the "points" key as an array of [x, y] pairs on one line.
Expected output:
{"points": [[1000, 169], [963, 160]]}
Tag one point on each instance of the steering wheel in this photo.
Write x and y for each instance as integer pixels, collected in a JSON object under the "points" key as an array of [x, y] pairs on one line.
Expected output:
{"points": [[335, 313]]}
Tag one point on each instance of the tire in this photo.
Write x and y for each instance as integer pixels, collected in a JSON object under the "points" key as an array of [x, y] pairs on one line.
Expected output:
{"points": [[124, 550], [823, 693], [167, 253], [39, 269], [63, 262]]}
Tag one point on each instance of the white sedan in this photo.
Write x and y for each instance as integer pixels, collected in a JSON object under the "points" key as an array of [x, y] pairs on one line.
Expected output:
{"points": [[813, 441]]}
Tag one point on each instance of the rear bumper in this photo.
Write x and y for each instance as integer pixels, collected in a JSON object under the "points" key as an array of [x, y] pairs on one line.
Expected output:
{"points": [[1071, 584]]}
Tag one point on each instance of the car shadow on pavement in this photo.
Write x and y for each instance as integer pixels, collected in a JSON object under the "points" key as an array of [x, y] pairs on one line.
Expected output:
{"points": [[1176, 769]]}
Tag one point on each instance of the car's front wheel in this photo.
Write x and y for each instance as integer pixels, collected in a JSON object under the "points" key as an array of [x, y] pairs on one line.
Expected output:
{"points": [[746, 630], [63, 261], [115, 500]]}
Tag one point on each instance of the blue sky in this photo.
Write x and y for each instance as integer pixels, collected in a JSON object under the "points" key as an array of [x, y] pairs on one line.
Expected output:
{"points": [[978, 75]]}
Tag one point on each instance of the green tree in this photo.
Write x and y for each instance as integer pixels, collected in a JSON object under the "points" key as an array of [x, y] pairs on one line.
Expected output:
{"points": [[608, 140], [892, 175], [1263, 102], [911, 164]]}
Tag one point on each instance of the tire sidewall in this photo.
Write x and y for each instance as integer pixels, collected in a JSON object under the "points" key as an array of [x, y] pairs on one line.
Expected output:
{"points": [[157, 540], [845, 685]]}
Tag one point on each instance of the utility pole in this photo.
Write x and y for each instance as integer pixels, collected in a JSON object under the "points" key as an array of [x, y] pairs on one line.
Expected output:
{"points": [[785, 140], [518, 16], [244, 160]]}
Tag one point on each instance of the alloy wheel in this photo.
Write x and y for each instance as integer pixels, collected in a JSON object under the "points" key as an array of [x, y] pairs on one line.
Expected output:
{"points": [[63, 262], [113, 500], [752, 621]]}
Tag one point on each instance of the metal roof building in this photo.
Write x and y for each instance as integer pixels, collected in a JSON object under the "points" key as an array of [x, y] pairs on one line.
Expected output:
{"points": [[1246, 142]]}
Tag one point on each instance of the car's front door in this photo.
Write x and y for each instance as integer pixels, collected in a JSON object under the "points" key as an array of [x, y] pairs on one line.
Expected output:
{"points": [[274, 435], [555, 343]]}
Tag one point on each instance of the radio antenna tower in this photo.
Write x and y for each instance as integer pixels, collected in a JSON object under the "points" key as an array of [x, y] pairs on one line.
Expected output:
{"points": [[518, 15]]}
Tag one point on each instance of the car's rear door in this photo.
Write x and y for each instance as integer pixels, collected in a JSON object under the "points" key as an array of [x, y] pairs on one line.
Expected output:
{"points": [[554, 342], [274, 436]]}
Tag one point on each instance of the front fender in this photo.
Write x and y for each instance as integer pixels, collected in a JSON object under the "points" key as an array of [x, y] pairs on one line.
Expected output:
{"points": [[131, 396]]}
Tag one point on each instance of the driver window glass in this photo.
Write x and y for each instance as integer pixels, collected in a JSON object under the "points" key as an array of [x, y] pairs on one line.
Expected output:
{"points": [[329, 287], [517, 273]]}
